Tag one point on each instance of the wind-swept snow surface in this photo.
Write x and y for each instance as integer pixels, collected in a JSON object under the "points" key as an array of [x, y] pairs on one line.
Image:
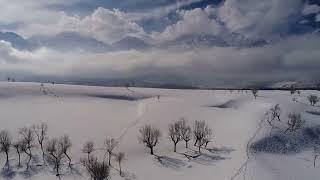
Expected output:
{"points": [[243, 145]]}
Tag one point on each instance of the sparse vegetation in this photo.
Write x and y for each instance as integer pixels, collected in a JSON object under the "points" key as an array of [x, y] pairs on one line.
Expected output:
{"points": [[96, 169]]}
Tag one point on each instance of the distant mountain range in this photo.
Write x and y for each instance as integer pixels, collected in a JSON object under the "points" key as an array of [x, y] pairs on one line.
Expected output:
{"points": [[296, 85], [68, 41]]}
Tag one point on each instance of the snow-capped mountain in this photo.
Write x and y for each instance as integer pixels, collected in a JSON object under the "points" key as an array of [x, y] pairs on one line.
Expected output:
{"points": [[129, 43]]}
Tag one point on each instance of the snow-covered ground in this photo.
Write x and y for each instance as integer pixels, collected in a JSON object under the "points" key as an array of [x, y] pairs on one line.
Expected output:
{"points": [[95, 113]]}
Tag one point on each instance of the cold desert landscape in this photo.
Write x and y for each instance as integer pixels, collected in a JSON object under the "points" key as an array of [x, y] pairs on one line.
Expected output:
{"points": [[247, 141], [160, 89]]}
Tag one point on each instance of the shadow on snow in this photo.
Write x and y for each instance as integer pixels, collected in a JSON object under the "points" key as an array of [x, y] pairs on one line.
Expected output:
{"points": [[293, 143]]}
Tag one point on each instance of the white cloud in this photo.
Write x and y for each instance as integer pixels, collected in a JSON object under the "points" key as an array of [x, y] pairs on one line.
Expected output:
{"points": [[310, 9], [317, 18], [103, 24], [108, 25], [258, 18], [196, 21], [30, 11]]}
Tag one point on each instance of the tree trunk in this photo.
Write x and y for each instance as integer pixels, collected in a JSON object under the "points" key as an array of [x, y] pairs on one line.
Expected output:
{"points": [[28, 163], [57, 168], [120, 168], [186, 144], [175, 147], [195, 143], [199, 148], [151, 150], [314, 161], [109, 158], [30, 153], [7, 155], [19, 159], [41, 146]]}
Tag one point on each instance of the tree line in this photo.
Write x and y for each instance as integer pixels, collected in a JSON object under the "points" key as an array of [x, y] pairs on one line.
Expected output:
{"points": [[55, 151], [178, 131]]}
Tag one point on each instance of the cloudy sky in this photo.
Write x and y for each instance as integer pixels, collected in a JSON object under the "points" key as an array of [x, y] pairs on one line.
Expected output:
{"points": [[207, 43]]}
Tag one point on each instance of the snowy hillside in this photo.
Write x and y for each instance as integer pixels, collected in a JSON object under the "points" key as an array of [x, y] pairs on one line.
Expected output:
{"points": [[242, 146]]}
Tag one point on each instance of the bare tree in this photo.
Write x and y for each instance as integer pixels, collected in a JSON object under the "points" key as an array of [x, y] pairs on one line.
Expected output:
{"points": [[208, 136], [28, 138], [41, 132], [65, 144], [17, 146], [55, 154], [97, 170], [299, 92], [295, 122], [313, 99], [120, 157], [110, 144], [275, 112], [202, 133], [5, 144], [198, 129], [292, 90], [185, 131], [88, 148], [175, 134], [149, 136], [255, 93]]}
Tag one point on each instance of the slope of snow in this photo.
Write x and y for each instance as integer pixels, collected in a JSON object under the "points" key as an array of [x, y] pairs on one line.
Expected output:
{"points": [[94, 113]]}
